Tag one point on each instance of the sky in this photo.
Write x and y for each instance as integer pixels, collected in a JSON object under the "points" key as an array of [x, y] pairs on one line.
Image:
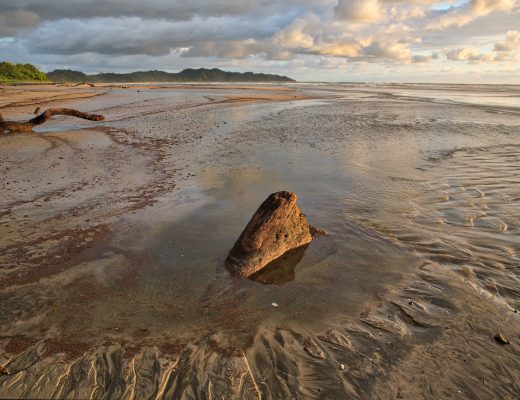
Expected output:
{"points": [[461, 41]]}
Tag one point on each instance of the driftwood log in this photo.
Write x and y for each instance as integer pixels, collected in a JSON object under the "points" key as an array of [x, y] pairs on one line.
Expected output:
{"points": [[27, 126], [276, 227], [84, 83]]}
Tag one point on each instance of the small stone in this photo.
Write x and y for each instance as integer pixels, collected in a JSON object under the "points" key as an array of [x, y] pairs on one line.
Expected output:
{"points": [[342, 367], [501, 339], [274, 304], [312, 349]]}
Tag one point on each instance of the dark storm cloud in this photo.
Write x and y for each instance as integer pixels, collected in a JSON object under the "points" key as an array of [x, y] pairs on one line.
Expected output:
{"points": [[153, 27], [152, 37], [154, 9], [15, 21], [57, 9]]}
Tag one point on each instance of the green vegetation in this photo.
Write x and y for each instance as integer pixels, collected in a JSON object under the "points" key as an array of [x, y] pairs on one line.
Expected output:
{"points": [[186, 75], [20, 73], [10, 72], [67, 75]]}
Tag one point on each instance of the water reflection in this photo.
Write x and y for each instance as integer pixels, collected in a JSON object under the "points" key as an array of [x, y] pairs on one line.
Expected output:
{"points": [[282, 269]]}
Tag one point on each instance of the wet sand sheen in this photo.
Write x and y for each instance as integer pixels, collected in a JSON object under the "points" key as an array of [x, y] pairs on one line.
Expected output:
{"points": [[150, 311]]}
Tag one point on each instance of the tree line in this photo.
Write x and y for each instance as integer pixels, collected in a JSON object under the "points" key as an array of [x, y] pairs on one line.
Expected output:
{"points": [[20, 72]]}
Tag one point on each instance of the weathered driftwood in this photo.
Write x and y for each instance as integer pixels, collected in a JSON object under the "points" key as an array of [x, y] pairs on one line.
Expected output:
{"points": [[27, 126], [84, 83], [276, 227]]}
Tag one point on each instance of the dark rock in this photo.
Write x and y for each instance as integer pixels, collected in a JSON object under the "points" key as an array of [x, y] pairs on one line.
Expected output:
{"points": [[313, 349], [501, 339], [276, 227]]}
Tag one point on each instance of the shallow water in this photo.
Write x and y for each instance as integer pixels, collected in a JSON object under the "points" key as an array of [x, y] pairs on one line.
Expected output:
{"points": [[399, 182]]}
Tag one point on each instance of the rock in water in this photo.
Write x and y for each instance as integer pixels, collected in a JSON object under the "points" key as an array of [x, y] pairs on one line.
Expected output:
{"points": [[276, 227]]}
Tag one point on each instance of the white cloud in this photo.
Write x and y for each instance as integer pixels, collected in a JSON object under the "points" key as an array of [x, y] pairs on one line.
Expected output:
{"points": [[299, 34], [510, 43], [504, 51], [464, 54], [470, 11], [363, 11], [421, 58]]}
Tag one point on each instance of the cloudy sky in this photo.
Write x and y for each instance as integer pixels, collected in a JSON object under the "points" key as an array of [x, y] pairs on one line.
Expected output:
{"points": [[314, 40]]}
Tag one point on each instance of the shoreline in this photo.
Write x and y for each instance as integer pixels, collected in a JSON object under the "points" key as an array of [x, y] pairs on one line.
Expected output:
{"points": [[122, 194]]}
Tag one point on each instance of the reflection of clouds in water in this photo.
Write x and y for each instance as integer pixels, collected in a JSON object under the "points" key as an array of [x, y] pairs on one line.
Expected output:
{"points": [[243, 183]]}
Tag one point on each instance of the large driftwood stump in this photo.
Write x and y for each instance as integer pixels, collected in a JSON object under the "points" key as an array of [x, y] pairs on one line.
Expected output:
{"points": [[277, 227], [27, 126]]}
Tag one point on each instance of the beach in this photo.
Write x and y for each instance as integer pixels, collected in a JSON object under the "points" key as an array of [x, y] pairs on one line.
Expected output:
{"points": [[113, 237]]}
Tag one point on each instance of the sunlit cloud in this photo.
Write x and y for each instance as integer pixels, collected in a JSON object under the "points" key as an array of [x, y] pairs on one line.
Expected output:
{"points": [[510, 43], [363, 11], [467, 12], [300, 38]]}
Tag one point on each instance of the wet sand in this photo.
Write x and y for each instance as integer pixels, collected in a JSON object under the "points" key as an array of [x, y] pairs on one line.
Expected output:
{"points": [[17, 99], [113, 238]]}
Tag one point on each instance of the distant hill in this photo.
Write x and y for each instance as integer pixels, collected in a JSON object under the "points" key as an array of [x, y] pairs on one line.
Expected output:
{"points": [[20, 72], [186, 75]]}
